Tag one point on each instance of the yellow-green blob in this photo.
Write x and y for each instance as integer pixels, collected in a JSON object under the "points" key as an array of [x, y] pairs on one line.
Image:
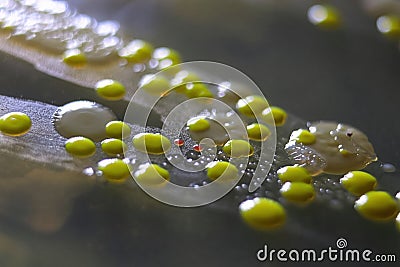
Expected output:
{"points": [[15, 124], [324, 16], [151, 175], [252, 105], [303, 136], [74, 57], [262, 213], [238, 148], [151, 143], [258, 132], [358, 182], [80, 146], [198, 124], [298, 192], [377, 206], [114, 170], [113, 146], [221, 170], [166, 57], [110, 89], [117, 129], [137, 51], [274, 115], [181, 79], [294, 174], [194, 90], [389, 25], [154, 85]]}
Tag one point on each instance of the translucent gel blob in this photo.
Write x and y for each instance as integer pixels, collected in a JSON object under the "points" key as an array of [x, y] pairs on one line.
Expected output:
{"points": [[262, 213], [331, 148], [83, 118], [15, 124]]}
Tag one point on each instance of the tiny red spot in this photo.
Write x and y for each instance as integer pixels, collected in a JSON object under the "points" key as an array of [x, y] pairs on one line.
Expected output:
{"points": [[197, 148], [179, 142]]}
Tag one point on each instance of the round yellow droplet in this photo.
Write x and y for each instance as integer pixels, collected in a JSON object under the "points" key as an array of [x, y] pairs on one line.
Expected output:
{"points": [[358, 182], [252, 105], [221, 170], [274, 115], [324, 16], [303, 136], [74, 57], [110, 89], [151, 143], [166, 57], [198, 124], [294, 174], [181, 79], [137, 51], [117, 129], [114, 170], [298, 192], [154, 85], [15, 124], [258, 132], [238, 148], [194, 90], [389, 25], [377, 205], [80, 147], [151, 175], [113, 146], [262, 213]]}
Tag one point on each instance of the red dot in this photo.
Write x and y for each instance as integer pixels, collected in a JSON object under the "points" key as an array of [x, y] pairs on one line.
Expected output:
{"points": [[197, 148], [179, 142]]}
